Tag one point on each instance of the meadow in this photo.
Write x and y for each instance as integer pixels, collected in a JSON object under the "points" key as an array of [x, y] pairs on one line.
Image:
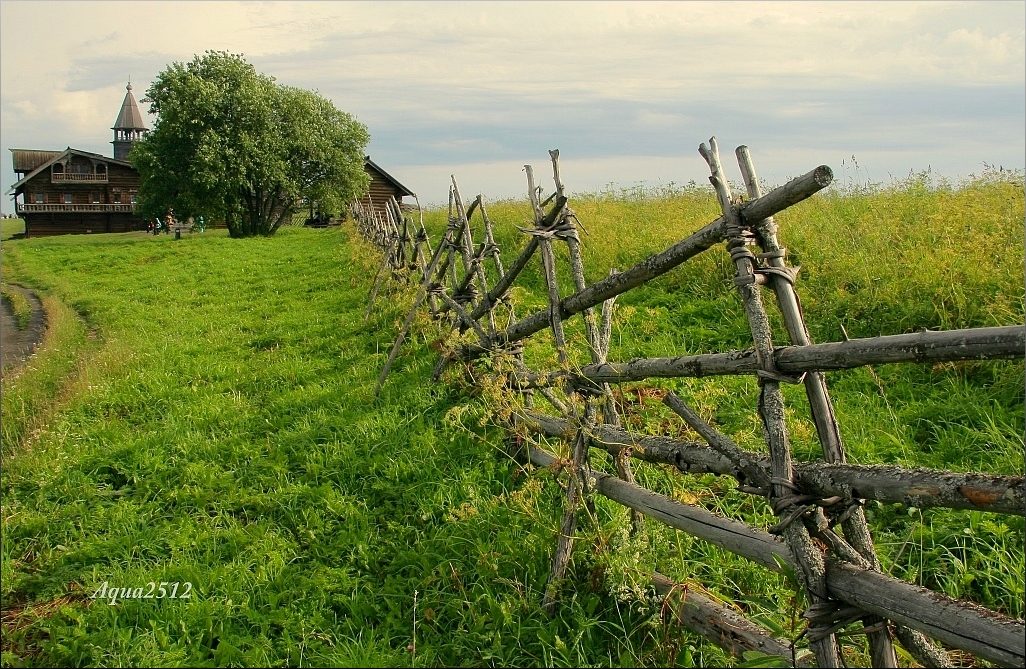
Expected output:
{"points": [[202, 412]]}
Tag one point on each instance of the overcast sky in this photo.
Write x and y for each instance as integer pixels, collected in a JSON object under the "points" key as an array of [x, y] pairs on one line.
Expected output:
{"points": [[626, 91]]}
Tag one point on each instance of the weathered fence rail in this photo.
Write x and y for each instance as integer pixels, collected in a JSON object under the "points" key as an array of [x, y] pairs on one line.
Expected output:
{"points": [[838, 570]]}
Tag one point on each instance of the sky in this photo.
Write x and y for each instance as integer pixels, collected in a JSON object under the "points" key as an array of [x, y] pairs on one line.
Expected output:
{"points": [[625, 90]]}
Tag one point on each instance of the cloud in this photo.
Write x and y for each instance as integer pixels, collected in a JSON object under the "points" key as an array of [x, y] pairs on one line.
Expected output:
{"points": [[612, 84]]}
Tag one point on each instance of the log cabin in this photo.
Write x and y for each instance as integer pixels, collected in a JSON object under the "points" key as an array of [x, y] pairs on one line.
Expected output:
{"points": [[382, 187], [78, 192]]}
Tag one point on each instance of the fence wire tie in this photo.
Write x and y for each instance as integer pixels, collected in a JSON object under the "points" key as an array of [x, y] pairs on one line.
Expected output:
{"points": [[772, 255], [466, 295], [541, 233], [853, 504], [788, 274], [585, 386], [825, 618], [767, 375]]}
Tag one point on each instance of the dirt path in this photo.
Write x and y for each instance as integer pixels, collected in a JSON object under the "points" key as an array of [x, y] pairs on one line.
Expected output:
{"points": [[17, 345]]}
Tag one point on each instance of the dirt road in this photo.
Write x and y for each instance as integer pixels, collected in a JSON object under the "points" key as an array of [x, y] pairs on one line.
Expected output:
{"points": [[16, 345]]}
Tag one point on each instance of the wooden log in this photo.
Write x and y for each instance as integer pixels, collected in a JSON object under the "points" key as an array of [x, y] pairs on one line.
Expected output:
{"points": [[474, 267], [577, 492], [921, 648], [756, 545], [720, 624], [776, 200], [959, 624], [782, 197], [615, 285], [919, 487], [962, 625], [745, 464], [549, 272], [1004, 342]]}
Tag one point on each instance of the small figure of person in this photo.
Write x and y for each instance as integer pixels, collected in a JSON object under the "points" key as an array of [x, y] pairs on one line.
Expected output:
{"points": [[169, 222], [202, 226]]}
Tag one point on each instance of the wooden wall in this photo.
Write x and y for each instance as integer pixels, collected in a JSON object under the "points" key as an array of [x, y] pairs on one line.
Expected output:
{"points": [[122, 183], [379, 192]]}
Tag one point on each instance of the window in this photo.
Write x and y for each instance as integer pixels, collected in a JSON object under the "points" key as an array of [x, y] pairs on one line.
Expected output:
{"points": [[38, 197], [116, 197], [67, 198], [132, 196], [101, 169], [94, 198], [58, 168]]}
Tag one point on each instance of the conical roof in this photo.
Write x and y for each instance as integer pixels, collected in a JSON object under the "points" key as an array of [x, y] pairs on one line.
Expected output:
{"points": [[130, 118]]}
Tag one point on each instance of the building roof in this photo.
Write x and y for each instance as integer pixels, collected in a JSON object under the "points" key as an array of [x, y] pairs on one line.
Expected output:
{"points": [[130, 117], [26, 160], [403, 190], [58, 155]]}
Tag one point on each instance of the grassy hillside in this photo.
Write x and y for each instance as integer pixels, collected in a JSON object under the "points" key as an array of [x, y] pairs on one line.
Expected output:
{"points": [[203, 413]]}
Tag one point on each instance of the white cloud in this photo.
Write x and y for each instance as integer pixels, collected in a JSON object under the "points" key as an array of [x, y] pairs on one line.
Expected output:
{"points": [[470, 83]]}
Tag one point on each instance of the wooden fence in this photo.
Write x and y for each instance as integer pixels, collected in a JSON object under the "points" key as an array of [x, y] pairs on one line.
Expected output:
{"points": [[838, 571]]}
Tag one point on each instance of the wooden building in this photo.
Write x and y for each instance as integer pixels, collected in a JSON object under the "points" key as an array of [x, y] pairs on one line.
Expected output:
{"points": [[383, 186], [77, 192]]}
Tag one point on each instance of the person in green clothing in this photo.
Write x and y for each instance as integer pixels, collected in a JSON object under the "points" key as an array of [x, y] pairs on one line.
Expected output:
{"points": [[202, 226]]}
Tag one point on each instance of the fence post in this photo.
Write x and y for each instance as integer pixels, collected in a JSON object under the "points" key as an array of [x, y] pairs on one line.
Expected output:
{"points": [[781, 281], [812, 570]]}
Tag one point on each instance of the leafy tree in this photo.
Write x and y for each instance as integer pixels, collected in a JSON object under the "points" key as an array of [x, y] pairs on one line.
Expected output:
{"points": [[231, 142]]}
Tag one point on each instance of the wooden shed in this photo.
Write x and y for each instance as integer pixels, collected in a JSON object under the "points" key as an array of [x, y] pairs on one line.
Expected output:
{"points": [[383, 186]]}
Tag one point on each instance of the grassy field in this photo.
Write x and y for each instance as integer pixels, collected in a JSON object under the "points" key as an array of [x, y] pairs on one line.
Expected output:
{"points": [[10, 227], [202, 413]]}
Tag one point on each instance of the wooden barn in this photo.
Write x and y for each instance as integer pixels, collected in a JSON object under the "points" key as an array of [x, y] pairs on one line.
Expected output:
{"points": [[383, 186], [78, 192]]}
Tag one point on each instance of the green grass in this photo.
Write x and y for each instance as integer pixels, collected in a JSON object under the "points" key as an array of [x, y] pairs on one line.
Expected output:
{"points": [[9, 227], [205, 414], [20, 307]]}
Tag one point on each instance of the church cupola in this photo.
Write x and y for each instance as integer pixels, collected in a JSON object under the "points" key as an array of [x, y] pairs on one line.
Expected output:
{"points": [[128, 128]]}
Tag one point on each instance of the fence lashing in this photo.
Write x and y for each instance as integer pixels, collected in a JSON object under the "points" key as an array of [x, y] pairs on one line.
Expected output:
{"points": [[842, 578]]}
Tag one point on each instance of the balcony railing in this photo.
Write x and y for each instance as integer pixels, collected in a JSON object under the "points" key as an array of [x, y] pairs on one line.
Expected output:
{"points": [[76, 208], [78, 177]]}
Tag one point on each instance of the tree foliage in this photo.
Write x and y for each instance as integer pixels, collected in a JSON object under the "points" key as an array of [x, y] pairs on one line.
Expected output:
{"points": [[232, 143]]}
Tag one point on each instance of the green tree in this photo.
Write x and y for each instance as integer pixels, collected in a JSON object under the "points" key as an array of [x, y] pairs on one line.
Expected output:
{"points": [[231, 142]]}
